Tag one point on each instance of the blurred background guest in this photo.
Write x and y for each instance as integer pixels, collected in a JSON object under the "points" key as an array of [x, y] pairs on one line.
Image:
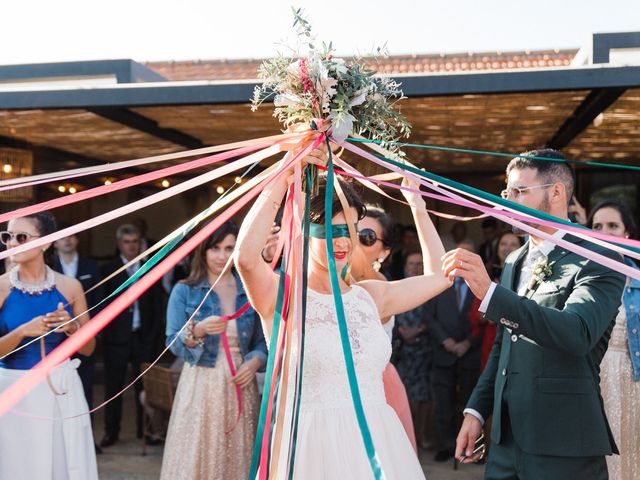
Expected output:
{"points": [[620, 367], [408, 243], [412, 353], [205, 406], [131, 337], [456, 236], [66, 260], [456, 359], [490, 237], [506, 243]]}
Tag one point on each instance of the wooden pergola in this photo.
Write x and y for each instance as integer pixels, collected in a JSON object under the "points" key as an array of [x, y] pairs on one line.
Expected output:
{"points": [[592, 112]]}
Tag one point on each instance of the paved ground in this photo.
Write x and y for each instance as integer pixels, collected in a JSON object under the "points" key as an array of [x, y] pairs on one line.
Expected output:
{"points": [[124, 460]]}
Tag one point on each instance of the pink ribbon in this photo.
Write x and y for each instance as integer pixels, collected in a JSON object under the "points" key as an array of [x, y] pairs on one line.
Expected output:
{"points": [[39, 372], [509, 217], [145, 202], [128, 182], [109, 167]]}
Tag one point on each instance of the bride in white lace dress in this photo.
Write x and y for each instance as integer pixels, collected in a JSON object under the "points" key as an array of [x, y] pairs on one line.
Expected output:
{"points": [[329, 443]]}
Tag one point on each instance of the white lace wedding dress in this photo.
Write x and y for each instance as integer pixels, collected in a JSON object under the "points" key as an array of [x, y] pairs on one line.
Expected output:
{"points": [[329, 444]]}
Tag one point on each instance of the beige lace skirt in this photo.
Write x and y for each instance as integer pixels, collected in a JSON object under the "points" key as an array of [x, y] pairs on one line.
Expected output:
{"points": [[205, 407], [621, 397]]}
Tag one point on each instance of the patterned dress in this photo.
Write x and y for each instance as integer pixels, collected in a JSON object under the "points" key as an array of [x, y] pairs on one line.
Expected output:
{"points": [[413, 361]]}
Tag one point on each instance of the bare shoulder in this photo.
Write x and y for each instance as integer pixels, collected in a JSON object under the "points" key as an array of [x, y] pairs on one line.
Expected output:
{"points": [[375, 288], [5, 287], [68, 286]]}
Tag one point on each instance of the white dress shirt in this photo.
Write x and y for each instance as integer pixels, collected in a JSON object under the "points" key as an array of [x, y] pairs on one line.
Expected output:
{"points": [[70, 269], [136, 323]]}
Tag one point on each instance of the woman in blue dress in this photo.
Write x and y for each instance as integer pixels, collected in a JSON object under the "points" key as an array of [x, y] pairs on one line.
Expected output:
{"points": [[38, 440]]}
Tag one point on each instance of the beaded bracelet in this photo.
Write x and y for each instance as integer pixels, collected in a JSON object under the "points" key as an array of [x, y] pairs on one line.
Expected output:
{"points": [[77, 324], [189, 336]]}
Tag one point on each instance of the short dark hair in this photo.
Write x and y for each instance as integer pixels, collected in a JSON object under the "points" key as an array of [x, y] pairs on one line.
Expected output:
{"points": [[385, 221], [318, 213], [550, 171], [623, 209], [126, 229], [45, 222]]}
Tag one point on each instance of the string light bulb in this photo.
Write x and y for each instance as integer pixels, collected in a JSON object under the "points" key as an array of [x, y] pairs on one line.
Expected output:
{"points": [[108, 181], [220, 189], [165, 183], [7, 168], [238, 180], [62, 188], [72, 190]]}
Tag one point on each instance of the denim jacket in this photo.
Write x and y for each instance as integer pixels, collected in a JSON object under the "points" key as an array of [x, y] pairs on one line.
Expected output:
{"points": [[631, 300], [184, 300]]}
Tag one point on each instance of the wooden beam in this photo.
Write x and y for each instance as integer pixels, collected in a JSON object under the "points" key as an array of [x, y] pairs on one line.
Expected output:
{"points": [[593, 105], [134, 120]]}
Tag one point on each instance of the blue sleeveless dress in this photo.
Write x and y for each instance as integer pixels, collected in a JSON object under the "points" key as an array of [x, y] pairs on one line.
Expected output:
{"points": [[19, 308], [48, 434]]}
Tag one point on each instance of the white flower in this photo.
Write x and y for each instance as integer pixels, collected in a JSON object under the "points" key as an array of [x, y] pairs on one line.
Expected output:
{"points": [[294, 69], [286, 100], [359, 96], [339, 65], [341, 125]]}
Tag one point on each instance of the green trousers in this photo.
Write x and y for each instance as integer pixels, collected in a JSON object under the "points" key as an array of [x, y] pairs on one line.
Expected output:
{"points": [[508, 462]]}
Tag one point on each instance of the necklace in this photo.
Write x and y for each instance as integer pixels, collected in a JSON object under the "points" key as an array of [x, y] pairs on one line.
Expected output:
{"points": [[32, 288]]}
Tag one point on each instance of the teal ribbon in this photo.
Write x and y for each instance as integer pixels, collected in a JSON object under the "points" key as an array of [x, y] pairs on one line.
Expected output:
{"points": [[492, 198], [495, 154], [344, 332], [320, 231], [306, 223]]}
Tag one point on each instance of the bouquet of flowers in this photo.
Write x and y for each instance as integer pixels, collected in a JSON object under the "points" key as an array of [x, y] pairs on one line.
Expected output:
{"points": [[347, 94]]}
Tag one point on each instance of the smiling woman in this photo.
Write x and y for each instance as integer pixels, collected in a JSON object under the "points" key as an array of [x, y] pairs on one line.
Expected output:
{"points": [[329, 439], [34, 300], [205, 412]]}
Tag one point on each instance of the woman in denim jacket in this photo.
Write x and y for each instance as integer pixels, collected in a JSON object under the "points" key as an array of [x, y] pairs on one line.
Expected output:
{"points": [[205, 438], [620, 368]]}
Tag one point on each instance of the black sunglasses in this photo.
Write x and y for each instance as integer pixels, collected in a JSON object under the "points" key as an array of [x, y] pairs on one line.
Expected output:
{"points": [[368, 237], [21, 237]]}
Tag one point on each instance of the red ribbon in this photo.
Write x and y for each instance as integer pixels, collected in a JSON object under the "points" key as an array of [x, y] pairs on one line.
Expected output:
{"points": [[227, 352]]}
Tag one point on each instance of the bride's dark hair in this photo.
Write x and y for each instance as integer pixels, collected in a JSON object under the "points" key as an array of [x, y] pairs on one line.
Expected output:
{"points": [[317, 214]]}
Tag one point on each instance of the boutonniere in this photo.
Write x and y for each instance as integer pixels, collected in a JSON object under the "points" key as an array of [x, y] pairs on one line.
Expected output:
{"points": [[540, 272]]}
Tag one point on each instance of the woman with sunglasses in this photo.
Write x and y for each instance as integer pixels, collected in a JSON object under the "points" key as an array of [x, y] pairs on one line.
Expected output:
{"points": [[51, 437], [329, 443], [620, 367], [374, 233]]}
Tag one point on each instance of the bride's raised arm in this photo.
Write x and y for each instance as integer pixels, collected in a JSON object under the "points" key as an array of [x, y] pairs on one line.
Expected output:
{"points": [[406, 294], [259, 281]]}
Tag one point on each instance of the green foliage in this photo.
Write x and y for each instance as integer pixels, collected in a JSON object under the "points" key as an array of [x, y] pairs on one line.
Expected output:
{"points": [[316, 85]]}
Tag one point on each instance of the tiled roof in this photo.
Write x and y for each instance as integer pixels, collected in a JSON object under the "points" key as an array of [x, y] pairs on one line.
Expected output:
{"points": [[397, 64]]}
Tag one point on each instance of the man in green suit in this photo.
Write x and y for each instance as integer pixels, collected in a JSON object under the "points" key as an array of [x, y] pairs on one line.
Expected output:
{"points": [[555, 311]]}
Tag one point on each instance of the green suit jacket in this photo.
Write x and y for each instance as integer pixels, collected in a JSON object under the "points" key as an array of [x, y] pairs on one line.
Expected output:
{"points": [[545, 362]]}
